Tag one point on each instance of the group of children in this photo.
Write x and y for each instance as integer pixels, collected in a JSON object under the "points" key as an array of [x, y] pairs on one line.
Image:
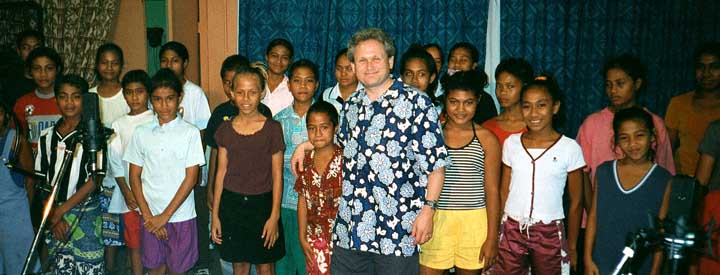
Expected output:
{"points": [[501, 208]]}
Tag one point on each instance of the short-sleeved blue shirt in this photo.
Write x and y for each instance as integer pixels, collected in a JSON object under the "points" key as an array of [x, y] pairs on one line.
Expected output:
{"points": [[164, 152], [294, 132], [391, 145]]}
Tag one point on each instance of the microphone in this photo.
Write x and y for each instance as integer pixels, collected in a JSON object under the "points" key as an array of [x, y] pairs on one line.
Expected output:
{"points": [[94, 134], [681, 230]]}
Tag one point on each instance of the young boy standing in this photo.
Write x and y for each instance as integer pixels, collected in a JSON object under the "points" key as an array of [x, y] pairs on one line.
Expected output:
{"points": [[164, 157], [135, 91], [193, 108], [22, 82], [38, 110], [74, 242], [303, 82], [688, 115]]}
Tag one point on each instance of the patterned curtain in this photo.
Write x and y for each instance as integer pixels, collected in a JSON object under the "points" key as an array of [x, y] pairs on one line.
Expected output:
{"points": [[318, 29], [16, 17], [76, 28], [572, 39]]}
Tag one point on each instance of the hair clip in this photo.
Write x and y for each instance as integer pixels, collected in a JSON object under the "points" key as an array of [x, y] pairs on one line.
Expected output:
{"points": [[541, 77]]}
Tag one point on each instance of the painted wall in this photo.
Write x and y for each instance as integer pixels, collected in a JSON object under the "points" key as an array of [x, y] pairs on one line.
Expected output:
{"points": [[129, 34], [183, 26], [218, 40], [156, 17]]}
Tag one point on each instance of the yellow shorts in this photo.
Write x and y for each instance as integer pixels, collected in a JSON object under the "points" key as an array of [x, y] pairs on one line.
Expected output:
{"points": [[458, 236]]}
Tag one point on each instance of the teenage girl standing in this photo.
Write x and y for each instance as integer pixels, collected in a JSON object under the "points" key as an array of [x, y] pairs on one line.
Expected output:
{"points": [[536, 166]]}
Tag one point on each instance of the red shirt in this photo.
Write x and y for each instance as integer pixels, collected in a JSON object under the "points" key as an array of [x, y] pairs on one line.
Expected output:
{"points": [[36, 114], [322, 194], [500, 133]]}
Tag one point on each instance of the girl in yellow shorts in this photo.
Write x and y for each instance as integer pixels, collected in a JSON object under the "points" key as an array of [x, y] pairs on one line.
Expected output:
{"points": [[466, 222]]}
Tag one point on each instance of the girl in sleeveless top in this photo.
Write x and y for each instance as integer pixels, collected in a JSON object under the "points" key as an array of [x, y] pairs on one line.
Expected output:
{"points": [[626, 190], [467, 219]]}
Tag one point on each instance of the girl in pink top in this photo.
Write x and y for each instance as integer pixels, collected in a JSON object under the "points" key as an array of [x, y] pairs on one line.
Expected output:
{"points": [[511, 75], [624, 79]]}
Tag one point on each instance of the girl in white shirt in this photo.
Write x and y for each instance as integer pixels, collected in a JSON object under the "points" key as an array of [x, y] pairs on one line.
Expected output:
{"points": [[135, 91], [347, 82], [536, 166], [109, 63]]}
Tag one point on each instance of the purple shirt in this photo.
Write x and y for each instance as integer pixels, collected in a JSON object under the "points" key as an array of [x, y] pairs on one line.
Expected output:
{"points": [[249, 157]]}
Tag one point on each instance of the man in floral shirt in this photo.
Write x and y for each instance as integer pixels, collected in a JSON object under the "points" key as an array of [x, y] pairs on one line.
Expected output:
{"points": [[394, 159]]}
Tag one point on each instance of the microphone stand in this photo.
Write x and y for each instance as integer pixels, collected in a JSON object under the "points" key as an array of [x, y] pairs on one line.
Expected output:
{"points": [[634, 242], [675, 247], [48, 208]]}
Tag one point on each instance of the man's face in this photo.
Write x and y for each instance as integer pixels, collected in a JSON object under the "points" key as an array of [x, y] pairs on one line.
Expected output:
{"points": [[372, 64], [707, 72]]}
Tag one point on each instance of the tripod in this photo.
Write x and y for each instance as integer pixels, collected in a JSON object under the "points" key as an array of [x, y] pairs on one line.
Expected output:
{"points": [[46, 211], [642, 239], [675, 244]]}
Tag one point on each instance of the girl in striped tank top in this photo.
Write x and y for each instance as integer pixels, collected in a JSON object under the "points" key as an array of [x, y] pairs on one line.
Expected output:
{"points": [[467, 219]]}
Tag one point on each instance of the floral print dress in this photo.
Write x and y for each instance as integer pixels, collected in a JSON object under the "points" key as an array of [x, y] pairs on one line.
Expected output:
{"points": [[322, 193]]}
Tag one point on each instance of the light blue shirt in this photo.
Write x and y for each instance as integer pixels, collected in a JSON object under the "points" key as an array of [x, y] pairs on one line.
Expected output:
{"points": [[332, 94], [294, 132], [164, 151]]}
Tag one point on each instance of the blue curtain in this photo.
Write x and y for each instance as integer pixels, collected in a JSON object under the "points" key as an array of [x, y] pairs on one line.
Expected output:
{"points": [[572, 39], [318, 29]]}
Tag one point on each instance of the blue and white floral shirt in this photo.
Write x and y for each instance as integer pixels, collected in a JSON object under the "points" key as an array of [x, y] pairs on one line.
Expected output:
{"points": [[390, 145]]}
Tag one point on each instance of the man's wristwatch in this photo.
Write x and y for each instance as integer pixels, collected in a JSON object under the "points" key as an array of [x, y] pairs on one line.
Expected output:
{"points": [[433, 204]]}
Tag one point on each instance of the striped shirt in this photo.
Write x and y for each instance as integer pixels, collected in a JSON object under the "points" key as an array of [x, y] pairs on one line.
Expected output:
{"points": [[51, 147], [464, 186]]}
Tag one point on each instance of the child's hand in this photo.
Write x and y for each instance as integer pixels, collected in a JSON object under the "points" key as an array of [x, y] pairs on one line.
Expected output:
{"points": [[307, 250], [155, 223], [161, 234], [131, 203], [591, 268], [216, 231], [59, 230], [296, 161], [55, 217], [270, 233], [488, 252]]}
